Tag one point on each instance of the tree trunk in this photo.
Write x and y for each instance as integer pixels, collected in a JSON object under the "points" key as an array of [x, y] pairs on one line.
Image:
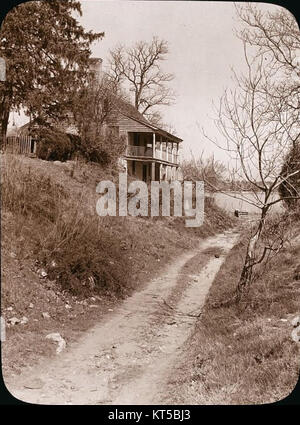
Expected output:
{"points": [[250, 260], [246, 275], [5, 107], [3, 127]]}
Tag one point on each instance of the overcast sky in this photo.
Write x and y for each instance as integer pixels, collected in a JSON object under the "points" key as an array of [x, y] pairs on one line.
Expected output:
{"points": [[202, 49]]}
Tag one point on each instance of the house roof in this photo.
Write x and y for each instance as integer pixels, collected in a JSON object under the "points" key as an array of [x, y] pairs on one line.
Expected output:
{"points": [[129, 110], [125, 108], [29, 125]]}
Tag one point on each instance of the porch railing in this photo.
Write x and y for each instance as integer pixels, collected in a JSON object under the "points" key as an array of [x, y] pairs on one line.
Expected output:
{"points": [[138, 151], [166, 156], [148, 152]]}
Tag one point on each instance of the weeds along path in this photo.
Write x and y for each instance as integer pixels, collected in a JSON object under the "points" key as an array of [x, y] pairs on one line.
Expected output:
{"points": [[127, 358]]}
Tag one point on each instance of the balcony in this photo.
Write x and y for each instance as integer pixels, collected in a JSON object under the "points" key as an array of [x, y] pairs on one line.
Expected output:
{"points": [[166, 156], [139, 151], [142, 151]]}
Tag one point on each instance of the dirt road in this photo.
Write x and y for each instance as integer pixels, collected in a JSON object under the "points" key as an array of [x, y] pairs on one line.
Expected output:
{"points": [[127, 358]]}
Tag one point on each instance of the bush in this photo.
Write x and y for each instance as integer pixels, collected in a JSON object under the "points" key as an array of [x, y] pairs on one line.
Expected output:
{"points": [[84, 259], [53, 145], [104, 150], [76, 142]]}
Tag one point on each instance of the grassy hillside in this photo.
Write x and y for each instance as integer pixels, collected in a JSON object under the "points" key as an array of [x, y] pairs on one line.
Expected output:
{"points": [[60, 258]]}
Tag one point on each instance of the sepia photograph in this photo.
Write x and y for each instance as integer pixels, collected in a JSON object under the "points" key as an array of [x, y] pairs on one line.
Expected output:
{"points": [[150, 205]]}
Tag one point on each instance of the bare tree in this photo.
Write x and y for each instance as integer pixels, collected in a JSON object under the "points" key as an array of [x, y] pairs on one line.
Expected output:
{"points": [[259, 119], [275, 32], [276, 36], [139, 66], [93, 105], [209, 170]]}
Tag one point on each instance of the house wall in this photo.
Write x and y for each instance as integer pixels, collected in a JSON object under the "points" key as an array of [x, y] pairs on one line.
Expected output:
{"points": [[128, 125], [138, 169]]}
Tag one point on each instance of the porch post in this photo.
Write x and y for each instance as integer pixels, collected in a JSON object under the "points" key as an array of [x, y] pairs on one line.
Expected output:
{"points": [[153, 146], [153, 171], [161, 143]]}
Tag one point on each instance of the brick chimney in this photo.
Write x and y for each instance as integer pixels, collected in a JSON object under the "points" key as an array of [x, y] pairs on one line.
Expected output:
{"points": [[96, 67]]}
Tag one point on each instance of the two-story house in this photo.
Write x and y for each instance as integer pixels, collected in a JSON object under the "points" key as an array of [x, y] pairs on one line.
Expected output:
{"points": [[151, 152]]}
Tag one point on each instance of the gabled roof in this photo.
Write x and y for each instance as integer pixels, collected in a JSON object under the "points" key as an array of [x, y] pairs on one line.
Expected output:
{"points": [[128, 110], [28, 125]]}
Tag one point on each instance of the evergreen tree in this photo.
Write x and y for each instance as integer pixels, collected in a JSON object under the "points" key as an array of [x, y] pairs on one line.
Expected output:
{"points": [[46, 53]]}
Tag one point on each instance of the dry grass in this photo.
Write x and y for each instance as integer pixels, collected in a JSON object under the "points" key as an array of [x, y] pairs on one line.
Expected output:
{"points": [[244, 354], [63, 237]]}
